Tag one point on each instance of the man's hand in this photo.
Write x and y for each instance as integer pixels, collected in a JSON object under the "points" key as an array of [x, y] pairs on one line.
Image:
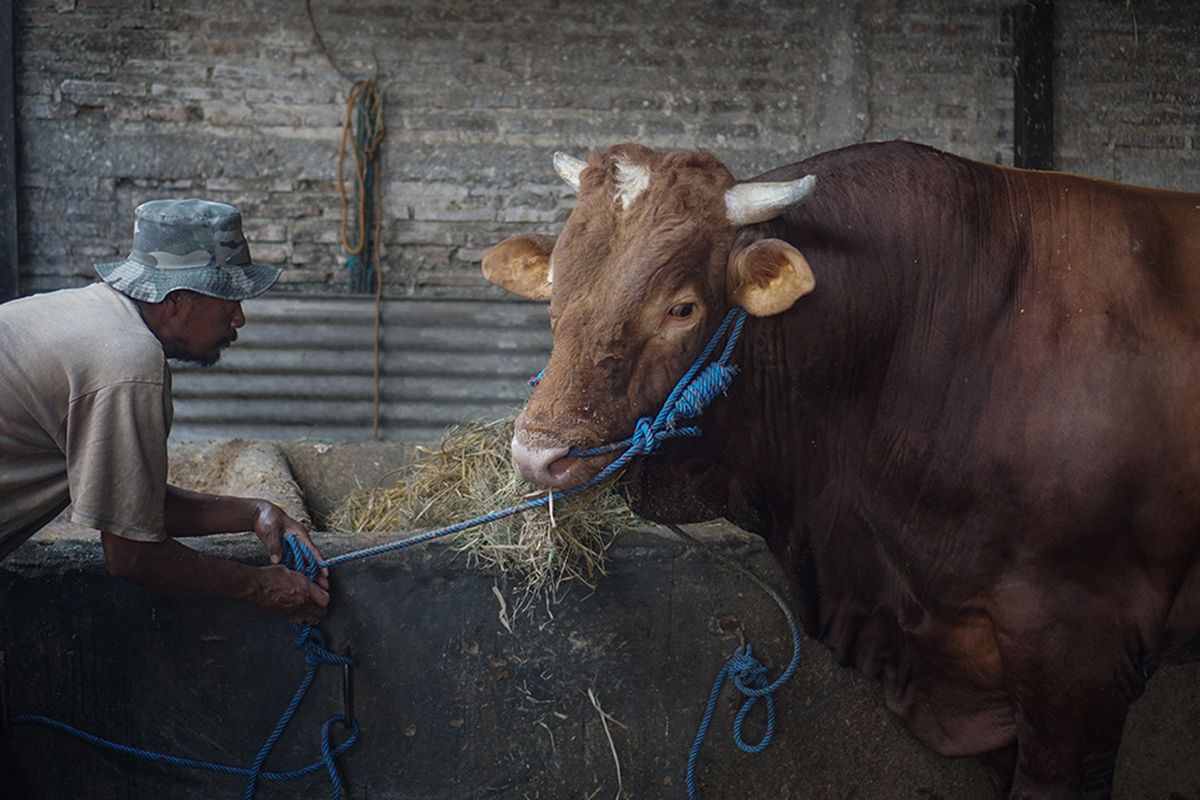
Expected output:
{"points": [[271, 524], [173, 568], [286, 593]]}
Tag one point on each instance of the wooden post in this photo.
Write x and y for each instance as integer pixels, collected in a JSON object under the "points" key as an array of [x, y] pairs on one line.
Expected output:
{"points": [[1033, 85], [10, 267]]}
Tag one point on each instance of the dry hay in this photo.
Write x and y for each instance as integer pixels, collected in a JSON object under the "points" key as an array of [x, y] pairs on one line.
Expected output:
{"points": [[468, 474]]}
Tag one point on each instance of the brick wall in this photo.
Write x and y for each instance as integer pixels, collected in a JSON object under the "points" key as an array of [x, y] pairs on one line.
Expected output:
{"points": [[120, 101], [1128, 91]]}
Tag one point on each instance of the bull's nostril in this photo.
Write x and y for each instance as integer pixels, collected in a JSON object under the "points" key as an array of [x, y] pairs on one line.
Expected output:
{"points": [[533, 464], [562, 467]]}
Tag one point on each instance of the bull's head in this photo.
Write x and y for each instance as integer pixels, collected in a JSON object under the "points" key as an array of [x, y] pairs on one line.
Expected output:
{"points": [[643, 271]]}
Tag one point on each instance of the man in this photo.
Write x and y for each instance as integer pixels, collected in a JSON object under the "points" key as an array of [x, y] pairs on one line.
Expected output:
{"points": [[85, 409]]}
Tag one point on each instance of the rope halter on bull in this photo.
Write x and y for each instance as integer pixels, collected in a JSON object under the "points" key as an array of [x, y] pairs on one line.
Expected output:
{"points": [[696, 390]]}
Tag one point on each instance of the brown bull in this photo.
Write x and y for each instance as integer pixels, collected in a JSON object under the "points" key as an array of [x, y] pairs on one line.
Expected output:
{"points": [[966, 421]]}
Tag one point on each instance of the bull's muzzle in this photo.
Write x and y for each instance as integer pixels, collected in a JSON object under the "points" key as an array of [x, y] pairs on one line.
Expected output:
{"points": [[544, 466]]}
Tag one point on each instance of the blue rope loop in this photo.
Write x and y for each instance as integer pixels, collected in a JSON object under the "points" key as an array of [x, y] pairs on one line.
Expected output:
{"points": [[749, 675], [297, 556], [750, 678]]}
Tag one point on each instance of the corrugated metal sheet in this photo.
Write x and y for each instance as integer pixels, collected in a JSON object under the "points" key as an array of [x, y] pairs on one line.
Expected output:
{"points": [[303, 368]]}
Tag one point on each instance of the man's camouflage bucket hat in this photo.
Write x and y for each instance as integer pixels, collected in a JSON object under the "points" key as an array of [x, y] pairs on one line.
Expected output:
{"points": [[188, 244]]}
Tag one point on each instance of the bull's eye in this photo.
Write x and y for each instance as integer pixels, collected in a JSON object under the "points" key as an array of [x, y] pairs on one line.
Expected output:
{"points": [[682, 310]]}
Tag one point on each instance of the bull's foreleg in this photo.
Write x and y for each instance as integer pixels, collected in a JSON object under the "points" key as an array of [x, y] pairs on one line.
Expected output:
{"points": [[1072, 675]]}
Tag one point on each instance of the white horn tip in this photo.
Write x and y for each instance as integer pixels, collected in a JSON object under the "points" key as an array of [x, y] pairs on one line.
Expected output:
{"points": [[568, 168], [750, 203]]}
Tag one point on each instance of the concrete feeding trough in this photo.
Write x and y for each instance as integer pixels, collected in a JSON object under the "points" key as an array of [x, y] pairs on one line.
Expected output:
{"points": [[597, 696]]}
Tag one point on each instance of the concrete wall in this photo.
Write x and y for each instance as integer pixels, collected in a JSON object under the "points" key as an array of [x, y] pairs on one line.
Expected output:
{"points": [[452, 705], [120, 101]]}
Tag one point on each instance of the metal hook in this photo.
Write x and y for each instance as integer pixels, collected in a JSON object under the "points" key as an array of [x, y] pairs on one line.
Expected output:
{"points": [[347, 691]]}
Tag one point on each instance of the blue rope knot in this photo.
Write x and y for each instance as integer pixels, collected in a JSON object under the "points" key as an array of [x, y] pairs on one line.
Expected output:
{"points": [[750, 677], [297, 556], [702, 391], [312, 643], [644, 440], [748, 673]]}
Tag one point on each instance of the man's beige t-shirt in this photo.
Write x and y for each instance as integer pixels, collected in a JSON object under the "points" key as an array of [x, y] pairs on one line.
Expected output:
{"points": [[85, 409]]}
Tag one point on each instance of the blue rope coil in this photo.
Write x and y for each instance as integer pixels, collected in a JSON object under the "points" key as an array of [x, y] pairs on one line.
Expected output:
{"points": [[695, 391], [750, 678]]}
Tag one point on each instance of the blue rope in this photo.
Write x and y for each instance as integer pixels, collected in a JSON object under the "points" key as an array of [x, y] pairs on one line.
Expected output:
{"points": [[211, 766], [691, 395], [695, 391], [750, 678], [296, 556]]}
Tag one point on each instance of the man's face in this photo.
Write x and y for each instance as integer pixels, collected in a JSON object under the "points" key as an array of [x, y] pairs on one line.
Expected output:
{"points": [[206, 326]]}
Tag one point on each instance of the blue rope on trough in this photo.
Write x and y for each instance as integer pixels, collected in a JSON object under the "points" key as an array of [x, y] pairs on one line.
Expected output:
{"points": [[211, 766], [750, 678], [309, 640], [694, 392]]}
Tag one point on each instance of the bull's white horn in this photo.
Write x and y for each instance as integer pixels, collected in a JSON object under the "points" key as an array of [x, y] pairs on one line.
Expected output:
{"points": [[748, 203], [568, 168]]}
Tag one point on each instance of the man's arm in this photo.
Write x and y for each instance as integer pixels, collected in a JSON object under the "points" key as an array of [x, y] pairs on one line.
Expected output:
{"points": [[194, 514], [173, 568]]}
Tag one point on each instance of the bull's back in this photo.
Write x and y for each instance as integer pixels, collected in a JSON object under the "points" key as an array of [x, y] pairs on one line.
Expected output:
{"points": [[1097, 375], [1109, 241], [1109, 294]]}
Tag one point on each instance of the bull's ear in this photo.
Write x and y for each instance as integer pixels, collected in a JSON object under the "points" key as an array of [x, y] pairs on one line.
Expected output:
{"points": [[521, 264], [768, 277]]}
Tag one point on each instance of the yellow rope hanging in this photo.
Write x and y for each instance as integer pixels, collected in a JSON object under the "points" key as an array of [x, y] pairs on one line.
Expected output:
{"points": [[363, 131], [364, 106], [365, 99]]}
